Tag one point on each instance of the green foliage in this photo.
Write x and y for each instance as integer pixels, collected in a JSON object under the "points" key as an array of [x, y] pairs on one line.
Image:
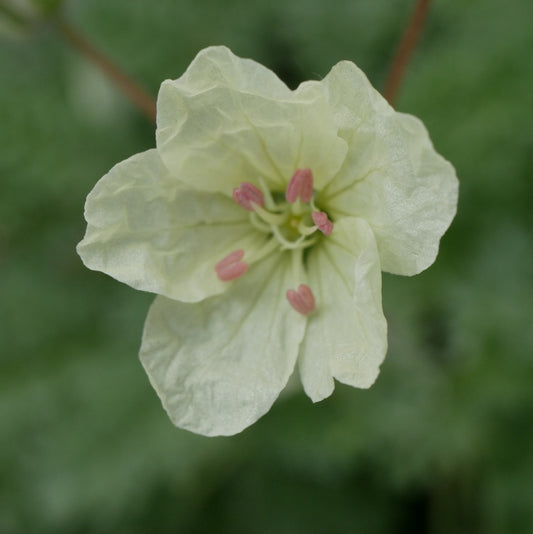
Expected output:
{"points": [[441, 444], [18, 18]]}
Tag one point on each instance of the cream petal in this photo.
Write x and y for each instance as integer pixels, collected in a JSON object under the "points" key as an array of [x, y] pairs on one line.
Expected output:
{"points": [[229, 120], [147, 230], [346, 337], [392, 176], [218, 365]]}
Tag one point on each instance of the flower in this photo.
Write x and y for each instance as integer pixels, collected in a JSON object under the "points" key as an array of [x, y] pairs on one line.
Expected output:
{"points": [[263, 220]]}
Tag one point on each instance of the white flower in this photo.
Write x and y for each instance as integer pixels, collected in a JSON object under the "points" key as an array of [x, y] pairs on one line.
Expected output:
{"points": [[263, 220]]}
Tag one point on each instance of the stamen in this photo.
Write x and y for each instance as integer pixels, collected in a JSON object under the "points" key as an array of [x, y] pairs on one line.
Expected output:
{"points": [[302, 300], [269, 201], [231, 267], [321, 219], [258, 224], [300, 186], [271, 245], [247, 194], [271, 218]]}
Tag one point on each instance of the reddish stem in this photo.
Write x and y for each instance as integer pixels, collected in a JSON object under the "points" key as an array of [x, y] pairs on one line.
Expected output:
{"points": [[404, 50], [129, 88]]}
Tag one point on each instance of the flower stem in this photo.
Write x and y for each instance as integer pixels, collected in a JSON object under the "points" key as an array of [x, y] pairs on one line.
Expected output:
{"points": [[404, 50], [138, 96]]}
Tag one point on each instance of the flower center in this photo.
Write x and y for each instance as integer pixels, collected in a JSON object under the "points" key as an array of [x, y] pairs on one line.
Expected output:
{"points": [[290, 220]]}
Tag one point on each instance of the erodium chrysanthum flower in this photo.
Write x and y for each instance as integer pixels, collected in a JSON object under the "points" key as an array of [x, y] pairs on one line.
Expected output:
{"points": [[262, 221]]}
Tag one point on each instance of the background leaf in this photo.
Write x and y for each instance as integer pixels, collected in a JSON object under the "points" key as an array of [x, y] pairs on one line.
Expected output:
{"points": [[441, 444]]}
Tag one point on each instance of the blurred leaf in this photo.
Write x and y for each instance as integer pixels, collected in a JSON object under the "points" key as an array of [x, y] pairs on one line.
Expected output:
{"points": [[442, 441]]}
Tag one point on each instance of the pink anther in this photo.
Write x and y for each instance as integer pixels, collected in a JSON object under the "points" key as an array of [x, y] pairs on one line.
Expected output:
{"points": [[322, 221], [247, 195], [300, 185], [231, 267], [302, 300]]}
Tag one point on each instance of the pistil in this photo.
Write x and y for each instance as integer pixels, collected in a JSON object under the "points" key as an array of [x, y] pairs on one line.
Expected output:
{"points": [[301, 242]]}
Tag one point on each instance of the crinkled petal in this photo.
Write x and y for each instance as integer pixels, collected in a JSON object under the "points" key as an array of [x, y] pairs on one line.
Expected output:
{"points": [[149, 231], [218, 365], [392, 176], [346, 337], [228, 120]]}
